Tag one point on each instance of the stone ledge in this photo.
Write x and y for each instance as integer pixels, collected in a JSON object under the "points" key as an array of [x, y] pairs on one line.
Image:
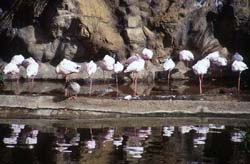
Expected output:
{"points": [[58, 107]]}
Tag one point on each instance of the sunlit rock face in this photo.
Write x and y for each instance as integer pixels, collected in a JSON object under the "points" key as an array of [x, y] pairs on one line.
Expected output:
{"points": [[82, 30]]}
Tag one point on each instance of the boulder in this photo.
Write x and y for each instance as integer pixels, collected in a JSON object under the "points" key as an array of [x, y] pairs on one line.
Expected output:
{"points": [[135, 35]]}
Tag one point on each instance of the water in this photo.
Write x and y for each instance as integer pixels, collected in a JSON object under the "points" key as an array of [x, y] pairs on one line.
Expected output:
{"points": [[105, 142]]}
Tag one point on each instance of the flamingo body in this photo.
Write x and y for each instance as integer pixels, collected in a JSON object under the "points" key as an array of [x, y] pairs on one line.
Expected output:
{"points": [[220, 61], [67, 67], [237, 57], [147, 54], [11, 68], [135, 66], [186, 55], [239, 66], [169, 65], [213, 56], [133, 58], [17, 59], [91, 68], [32, 70], [118, 67]]}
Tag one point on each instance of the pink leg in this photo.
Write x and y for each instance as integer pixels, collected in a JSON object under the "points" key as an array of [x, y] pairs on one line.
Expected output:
{"points": [[17, 85], [133, 78], [200, 84], [116, 79], [90, 87], [220, 73], [239, 84], [104, 80], [168, 77], [135, 84], [66, 92], [32, 82]]}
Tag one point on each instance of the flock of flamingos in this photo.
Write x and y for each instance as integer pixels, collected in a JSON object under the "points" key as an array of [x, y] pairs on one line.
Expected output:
{"points": [[133, 65]]}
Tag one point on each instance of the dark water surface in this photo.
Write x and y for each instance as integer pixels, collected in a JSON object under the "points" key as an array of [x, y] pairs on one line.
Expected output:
{"points": [[114, 142]]}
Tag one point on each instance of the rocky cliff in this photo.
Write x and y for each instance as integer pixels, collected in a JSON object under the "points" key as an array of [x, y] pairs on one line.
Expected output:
{"points": [[50, 30]]}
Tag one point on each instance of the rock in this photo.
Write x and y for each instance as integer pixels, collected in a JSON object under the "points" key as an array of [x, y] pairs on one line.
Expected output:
{"points": [[180, 71], [134, 21], [135, 35], [134, 10], [27, 34]]}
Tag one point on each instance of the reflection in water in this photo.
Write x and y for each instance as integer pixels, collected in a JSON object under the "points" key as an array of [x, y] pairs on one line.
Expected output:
{"points": [[167, 144]]}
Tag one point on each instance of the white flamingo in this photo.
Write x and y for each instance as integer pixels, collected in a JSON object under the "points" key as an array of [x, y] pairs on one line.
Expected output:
{"points": [[147, 54], [186, 55], [237, 57], [12, 70], [168, 66], [67, 67], [213, 56], [220, 62], [135, 67], [118, 67], [200, 69], [17, 59], [32, 69], [239, 66], [106, 64], [91, 68]]}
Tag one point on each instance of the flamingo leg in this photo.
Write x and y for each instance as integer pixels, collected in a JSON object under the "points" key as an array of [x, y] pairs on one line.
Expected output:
{"points": [[200, 83], [116, 79], [168, 77], [66, 92], [32, 82], [90, 87], [133, 79], [135, 93], [17, 85], [239, 84], [104, 80], [220, 73]]}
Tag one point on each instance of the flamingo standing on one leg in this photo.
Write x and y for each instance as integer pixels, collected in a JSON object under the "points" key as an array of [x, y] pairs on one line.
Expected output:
{"points": [[67, 67], [13, 70], [135, 67], [118, 67], [91, 68], [106, 64], [168, 66], [186, 55], [32, 69], [239, 66], [200, 69]]}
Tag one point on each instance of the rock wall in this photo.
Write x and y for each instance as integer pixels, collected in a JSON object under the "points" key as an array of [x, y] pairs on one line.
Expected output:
{"points": [[81, 30]]}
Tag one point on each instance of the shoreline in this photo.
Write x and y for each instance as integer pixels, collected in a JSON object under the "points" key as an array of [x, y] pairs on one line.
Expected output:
{"points": [[83, 108]]}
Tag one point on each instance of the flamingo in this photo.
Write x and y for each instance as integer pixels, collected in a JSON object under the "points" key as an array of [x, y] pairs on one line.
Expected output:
{"points": [[239, 66], [186, 55], [106, 64], [17, 59], [13, 70], [132, 58], [91, 68], [168, 66], [201, 68], [237, 57], [220, 62], [213, 56], [72, 89], [135, 67], [118, 67], [67, 67], [147, 54], [32, 69]]}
